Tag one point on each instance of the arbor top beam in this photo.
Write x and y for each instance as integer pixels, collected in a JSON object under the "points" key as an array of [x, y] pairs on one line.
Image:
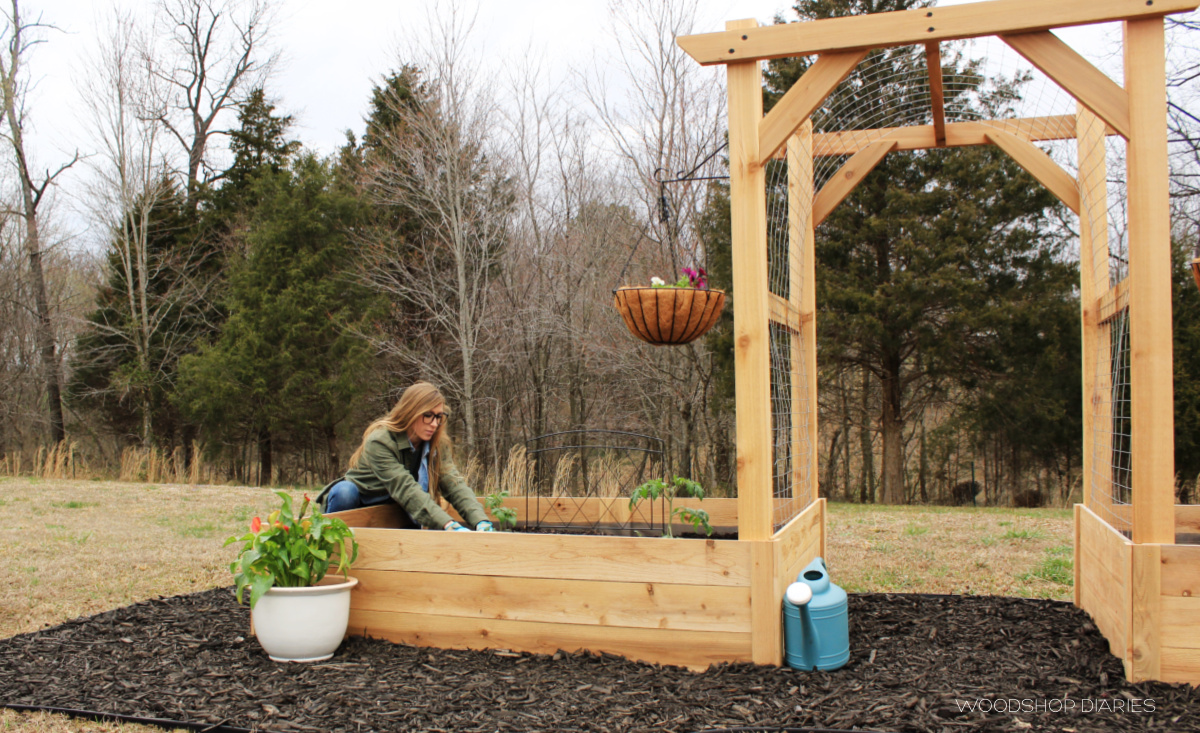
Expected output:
{"points": [[921, 25]]}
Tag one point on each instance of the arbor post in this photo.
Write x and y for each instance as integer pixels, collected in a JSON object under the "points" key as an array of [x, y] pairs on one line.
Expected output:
{"points": [[1152, 391], [747, 194]]}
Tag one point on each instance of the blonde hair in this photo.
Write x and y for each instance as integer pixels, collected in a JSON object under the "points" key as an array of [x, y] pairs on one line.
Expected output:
{"points": [[418, 399]]}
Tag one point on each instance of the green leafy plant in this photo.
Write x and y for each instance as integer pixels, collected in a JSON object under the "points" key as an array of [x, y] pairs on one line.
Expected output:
{"points": [[657, 488], [290, 550], [506, 517]]}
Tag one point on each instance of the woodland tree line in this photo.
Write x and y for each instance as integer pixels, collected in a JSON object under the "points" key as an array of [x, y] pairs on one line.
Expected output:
{"points": [[255, 304]]}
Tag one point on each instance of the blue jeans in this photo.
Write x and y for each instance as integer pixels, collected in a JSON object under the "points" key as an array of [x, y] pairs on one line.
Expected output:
{"points": [[345, 495]]}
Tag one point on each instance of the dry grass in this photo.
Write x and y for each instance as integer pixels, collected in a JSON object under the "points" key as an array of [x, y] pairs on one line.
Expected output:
{"points": [[82, 547], [10, 720], [984, 551]]}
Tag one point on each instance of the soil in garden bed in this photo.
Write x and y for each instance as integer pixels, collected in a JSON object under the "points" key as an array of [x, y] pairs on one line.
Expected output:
{"points": [[918, 663], [604, 530]]}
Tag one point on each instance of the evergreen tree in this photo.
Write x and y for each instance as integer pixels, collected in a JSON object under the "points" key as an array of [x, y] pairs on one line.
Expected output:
{"points": [[259, 144], [937, 269], [126, 361], [936, 254], [1186, 309], [284, 371]]}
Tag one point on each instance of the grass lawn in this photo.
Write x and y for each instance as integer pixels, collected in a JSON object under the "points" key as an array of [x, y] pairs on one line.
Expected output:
{"points": [[82, 547]]}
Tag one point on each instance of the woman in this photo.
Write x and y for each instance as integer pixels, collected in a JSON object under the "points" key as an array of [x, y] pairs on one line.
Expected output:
{"points": [[404, 457]]}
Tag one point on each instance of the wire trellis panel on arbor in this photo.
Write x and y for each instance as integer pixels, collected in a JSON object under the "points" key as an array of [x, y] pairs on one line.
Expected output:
{"points": [[791, 331]]}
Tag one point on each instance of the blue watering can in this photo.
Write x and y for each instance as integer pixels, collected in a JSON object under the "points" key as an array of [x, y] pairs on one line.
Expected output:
{"points": [[815, 626]]}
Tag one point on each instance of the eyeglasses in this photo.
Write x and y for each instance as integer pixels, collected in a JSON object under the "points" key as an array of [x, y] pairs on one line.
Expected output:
{"points": [[432, 418]]}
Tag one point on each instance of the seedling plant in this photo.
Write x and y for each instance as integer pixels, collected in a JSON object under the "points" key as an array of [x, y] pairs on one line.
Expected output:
{"points": [[657, 488], [506, 517]]}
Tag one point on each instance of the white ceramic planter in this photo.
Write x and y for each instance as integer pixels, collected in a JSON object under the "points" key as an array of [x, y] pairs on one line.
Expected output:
{"points": [[304, 624]]}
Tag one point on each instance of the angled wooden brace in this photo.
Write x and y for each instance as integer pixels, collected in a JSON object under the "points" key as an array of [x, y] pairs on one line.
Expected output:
{"points": [[851, 174], [802, 100], [1076, 75], [1039, 165]]}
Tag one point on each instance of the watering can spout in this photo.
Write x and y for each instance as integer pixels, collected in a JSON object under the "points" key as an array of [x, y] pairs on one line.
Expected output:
{"points": [[816, 627]]}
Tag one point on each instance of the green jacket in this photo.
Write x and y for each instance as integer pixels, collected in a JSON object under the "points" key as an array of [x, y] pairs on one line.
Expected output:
{"points": [[388, 464]]}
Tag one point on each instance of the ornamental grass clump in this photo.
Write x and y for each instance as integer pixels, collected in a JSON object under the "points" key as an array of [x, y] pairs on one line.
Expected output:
{"points": [[291, 550]]}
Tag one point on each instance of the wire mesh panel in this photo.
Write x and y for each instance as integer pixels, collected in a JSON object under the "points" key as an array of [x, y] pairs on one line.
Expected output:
{"points": [[1104, 267], [582, 481], [923, 97], [789, 209]]}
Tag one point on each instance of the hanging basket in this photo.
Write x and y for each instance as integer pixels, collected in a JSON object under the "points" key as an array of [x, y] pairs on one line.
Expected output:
{"points": [[669, 316]]}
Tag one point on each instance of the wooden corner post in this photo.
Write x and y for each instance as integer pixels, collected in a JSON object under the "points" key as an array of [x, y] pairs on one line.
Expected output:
{"points": [[752, 358], [1152, 390], [752, 361]]}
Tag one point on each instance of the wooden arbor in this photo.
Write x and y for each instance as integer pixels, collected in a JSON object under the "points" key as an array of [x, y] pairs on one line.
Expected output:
{"points": [[1141, 588]]}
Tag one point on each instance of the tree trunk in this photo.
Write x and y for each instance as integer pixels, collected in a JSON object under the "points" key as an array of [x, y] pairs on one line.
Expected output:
{"points": [[331, 447], [30, 198], [832, 465], [866, 486], [465, 330], [147, 430], [891, 424], [924, 466], [45, 329], [264, 457], [845, 390], [689, 437]]}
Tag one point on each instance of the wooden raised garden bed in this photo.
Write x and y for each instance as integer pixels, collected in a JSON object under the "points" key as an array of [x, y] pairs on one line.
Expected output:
{"points": [[690, 602], [1144, 598]]}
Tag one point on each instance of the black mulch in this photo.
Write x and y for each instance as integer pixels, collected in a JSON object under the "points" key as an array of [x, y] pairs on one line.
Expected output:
{"points": [[916, 662]]}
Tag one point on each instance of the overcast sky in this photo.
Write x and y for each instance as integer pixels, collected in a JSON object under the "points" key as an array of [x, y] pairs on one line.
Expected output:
{"points": [[333, 52]]}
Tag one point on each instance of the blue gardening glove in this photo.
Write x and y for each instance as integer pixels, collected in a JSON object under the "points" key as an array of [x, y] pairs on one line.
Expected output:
{"points": [[485, 526], [456, 527]]}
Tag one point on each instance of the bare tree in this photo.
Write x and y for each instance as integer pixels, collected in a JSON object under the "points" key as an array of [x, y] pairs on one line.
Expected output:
{"points": [[210, 60], [564, 225], [130, 189], [1183, 116], [440, 167], [669, 119], [69, 279], [13, 88]]}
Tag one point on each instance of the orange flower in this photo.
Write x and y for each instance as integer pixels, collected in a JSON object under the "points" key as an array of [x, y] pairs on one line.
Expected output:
{"points": [[256, 525]]}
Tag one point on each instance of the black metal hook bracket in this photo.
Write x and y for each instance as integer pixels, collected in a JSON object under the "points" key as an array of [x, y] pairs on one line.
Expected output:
{"points": [[664, 213]]}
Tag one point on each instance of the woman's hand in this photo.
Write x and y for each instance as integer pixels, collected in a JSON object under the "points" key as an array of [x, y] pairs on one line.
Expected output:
{"points": [[485, 526], [453, 526]]}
